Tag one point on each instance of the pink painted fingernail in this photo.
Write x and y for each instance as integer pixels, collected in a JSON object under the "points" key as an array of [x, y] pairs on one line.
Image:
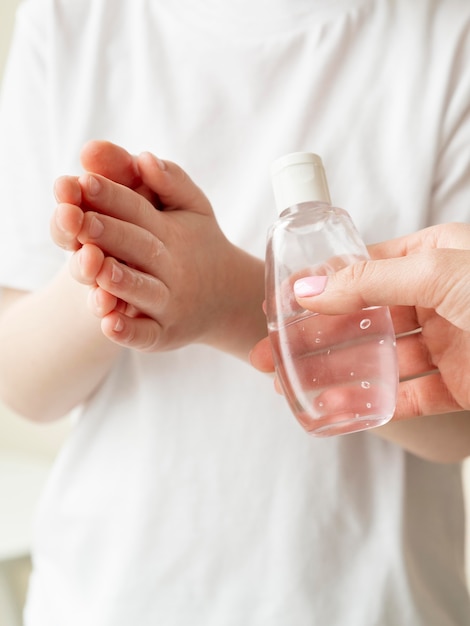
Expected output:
{"points": [[310, 286]]}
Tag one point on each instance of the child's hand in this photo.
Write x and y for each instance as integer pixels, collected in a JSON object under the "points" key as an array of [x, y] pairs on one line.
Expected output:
{"points": [[106, 159], [169, 286], [115, 163]]}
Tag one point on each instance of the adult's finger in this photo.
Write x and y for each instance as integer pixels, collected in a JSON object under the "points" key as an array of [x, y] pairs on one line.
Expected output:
{"points": [[452, 235], [261, 356], [426, 395], [434, 279]]}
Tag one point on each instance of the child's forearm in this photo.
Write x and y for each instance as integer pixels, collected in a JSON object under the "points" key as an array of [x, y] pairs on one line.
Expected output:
{"points": [[53, 352], [241, 323]]}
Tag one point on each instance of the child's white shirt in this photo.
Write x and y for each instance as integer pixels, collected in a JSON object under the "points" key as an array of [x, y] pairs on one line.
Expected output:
{"points": [[188, 493]]}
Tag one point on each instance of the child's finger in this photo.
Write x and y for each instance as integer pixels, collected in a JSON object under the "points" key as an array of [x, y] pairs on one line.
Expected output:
{"points": [[174, 187], [141, 291], [67, 190], [100, 302], [65, 225], [115, 200], [128, 242], [139, 333], [112, 162], [86, 263]]}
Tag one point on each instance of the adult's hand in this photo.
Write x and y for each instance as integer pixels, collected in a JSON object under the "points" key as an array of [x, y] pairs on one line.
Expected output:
{"points": [[424, 278]]}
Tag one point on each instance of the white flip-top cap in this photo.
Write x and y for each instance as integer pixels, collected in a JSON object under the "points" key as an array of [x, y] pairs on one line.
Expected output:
{"points": [[299, 177]]}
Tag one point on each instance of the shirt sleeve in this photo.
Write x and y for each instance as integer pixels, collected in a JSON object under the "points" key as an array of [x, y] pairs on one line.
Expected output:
{"points": [[28, 257]]}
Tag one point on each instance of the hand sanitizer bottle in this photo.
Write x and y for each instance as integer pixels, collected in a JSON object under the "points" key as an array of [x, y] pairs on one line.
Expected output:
{"points": [[338, 373]]}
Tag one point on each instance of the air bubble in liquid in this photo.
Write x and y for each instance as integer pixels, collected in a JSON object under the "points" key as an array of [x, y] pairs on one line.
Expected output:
{"points": [[365, 384], [365, 324]]}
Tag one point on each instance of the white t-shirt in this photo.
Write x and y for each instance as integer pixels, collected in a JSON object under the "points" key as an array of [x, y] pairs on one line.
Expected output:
{"points": [[188, 493]]}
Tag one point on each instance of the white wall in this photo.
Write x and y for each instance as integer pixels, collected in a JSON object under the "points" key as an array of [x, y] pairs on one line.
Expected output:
{"points": [[7, 11], [26, 454]]}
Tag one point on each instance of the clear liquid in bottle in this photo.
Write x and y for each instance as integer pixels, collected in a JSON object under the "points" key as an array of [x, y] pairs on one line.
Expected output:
{"points": [[338, 372]]}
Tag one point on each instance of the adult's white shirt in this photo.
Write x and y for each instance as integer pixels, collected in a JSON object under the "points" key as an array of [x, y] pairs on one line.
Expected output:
{"points": [[187, 493]]}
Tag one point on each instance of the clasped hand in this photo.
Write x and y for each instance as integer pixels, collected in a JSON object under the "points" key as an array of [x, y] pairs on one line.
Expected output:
{"points": [[155, 276]]}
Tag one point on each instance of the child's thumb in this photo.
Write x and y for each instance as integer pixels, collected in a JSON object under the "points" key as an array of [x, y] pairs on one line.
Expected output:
{"points": [[173, 186], [111, 161]]}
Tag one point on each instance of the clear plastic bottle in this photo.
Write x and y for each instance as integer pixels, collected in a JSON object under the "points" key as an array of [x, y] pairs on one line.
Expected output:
{"points": [[339, 373]]}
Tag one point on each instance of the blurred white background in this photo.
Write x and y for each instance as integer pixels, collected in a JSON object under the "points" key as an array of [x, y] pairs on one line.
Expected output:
{"points": [[26, 454]]}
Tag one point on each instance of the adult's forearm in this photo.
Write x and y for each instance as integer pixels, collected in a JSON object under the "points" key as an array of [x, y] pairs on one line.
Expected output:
{"points": [[439, 438], [53, 354]]}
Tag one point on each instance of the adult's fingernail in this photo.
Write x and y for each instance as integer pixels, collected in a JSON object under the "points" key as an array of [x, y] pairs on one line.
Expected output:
{"points": [[310, 286]]}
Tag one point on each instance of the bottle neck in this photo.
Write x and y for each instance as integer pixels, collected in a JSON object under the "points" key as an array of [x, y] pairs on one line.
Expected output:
{"points": [[308, 205]]}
